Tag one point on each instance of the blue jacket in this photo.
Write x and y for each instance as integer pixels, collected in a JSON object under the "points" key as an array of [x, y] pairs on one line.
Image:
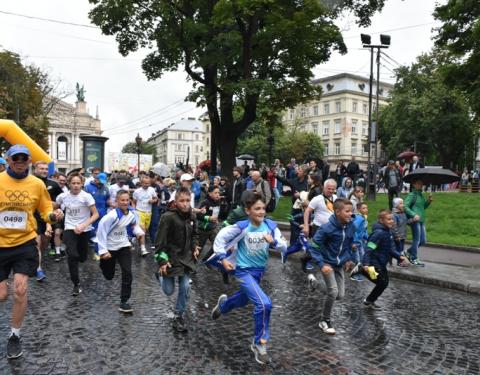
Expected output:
{"points": [[334, 242], [380, 247], [101, 196], [361, 232]]}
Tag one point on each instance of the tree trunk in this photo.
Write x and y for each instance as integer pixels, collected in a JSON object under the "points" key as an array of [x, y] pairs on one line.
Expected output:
{"points": [[228, 148]]}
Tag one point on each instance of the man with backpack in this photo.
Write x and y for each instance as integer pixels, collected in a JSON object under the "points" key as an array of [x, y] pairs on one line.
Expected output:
{"points": [[263, 188]]}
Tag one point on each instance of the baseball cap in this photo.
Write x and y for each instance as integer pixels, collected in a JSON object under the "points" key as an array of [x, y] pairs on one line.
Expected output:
{"points": [[391, 162], [102, 177], [18, 149], [186, 177], [3, 161]]}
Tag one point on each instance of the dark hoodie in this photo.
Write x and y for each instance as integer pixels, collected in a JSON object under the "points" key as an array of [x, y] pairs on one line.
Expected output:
{"points": [[380, 247], [210, 205], [177, 237]]}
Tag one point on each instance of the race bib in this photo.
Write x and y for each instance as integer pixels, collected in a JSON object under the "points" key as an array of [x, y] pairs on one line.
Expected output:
{"points": [[255, 242], [13, 220], [215, 211]]}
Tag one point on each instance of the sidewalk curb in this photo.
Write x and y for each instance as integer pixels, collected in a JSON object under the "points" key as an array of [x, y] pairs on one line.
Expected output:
{"points": [[413, 274], [283, 225]]}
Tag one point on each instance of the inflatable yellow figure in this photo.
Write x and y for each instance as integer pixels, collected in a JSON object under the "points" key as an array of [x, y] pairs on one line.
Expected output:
{"points": [[13, 134]]}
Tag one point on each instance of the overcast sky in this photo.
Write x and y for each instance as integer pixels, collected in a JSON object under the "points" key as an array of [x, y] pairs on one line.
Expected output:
{"points": [[128, 103]]}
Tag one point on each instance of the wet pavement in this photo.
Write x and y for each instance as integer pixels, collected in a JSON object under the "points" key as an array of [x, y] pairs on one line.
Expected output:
{"points": [[421, 330]]}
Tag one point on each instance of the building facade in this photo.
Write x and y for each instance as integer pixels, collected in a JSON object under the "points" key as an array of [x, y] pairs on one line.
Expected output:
{"points": [[67, 124], [181, 141], [340, 117]]}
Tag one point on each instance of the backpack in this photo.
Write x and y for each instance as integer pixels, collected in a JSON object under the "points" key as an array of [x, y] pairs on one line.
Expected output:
{"points": [[272, 203]]}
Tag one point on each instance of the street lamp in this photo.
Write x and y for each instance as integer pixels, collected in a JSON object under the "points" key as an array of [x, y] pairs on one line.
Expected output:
{"points": [[138, 141], [373, 127]]}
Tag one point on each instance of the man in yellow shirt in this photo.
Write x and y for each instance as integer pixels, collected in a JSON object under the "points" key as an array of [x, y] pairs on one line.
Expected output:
{"points": [[20, 195]]}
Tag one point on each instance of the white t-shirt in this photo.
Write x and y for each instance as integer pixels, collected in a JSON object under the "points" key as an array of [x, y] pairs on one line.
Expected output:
{"points": [[114, 189], [321, 213], [142, 196], [77, 208]]}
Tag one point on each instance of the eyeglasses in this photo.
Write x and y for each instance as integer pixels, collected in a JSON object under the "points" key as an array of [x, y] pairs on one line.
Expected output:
{"points": [[20, 157]]}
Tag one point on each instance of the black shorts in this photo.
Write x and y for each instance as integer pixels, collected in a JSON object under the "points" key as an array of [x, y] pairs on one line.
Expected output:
{"points": [[21, 259], [41, 226], [58, 225]]}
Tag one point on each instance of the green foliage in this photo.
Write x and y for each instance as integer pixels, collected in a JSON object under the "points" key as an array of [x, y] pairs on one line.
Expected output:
{"points": [[458, 37], [22, 90], [132, 148], [425, 111], [238, 54]]}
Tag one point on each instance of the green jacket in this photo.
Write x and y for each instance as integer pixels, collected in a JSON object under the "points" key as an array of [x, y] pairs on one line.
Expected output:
{"points": [[419, 207]]}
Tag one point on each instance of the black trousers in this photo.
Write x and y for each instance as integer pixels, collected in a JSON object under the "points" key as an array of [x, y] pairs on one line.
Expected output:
{"points": [[392, 192], [124, 259], [77, 251], [381, 283]]}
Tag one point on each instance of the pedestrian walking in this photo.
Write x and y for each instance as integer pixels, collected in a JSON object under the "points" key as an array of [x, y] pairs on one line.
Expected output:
{"points": [[253, 238], [143, 199]]}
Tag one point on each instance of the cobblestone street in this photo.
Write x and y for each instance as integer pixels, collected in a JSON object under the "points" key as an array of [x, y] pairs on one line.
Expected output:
{"points": [[421, 330]]}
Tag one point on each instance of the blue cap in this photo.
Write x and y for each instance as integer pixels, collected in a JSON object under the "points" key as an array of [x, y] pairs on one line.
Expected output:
{"points": [[3, 161], [102, 177], [18, 149]]}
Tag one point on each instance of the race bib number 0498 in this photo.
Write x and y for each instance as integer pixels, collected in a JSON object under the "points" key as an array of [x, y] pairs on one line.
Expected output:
{"points": [[13, 220]]}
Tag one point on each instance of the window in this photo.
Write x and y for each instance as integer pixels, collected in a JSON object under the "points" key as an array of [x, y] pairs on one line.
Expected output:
{"points": [[326, 127], [354, 149], [197, 137], [354, 107], [207, 128], [208, 142], [62, 153], [338, 107], [365, 108], [303, 112], [179, 136], [315, 127], [196, 160], [196, 148], [364, 127], [354, 126], [325, 147], [315, 110], [302, 128], [337, 148], [326, 108], [338, 128]]}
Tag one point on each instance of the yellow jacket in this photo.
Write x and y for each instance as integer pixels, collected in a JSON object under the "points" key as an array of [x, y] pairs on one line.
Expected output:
{"points": [[19, 199]]}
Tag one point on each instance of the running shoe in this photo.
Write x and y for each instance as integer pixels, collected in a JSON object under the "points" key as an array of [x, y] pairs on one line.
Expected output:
{"points": [[125, 308], [357, 277], [76, 290], [96, 257], [312, 282], [58, 258], [327, 327], [260, 351], [14, 347], [216, 313], [52, 252], [40, 275], [179, 324], [144, 252], [418, 263], [372, 305], [403, 264]]}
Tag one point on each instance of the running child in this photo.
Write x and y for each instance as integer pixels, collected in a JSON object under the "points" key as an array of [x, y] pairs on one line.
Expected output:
{"points": [[177, 252], [114, 245], [334, 255], [360, 239], [399, 229], [356, 197], [80, 213], [380, 248], [143, 198], [253, 238]]}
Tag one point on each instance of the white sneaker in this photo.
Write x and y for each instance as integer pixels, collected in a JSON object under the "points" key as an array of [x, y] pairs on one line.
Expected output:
{"points": [[327, 327], [312, 282], [144, 252]]}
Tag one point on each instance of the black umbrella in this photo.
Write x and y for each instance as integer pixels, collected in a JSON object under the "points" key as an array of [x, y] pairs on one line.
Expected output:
{"points": [[246, 157], [432, 176]]}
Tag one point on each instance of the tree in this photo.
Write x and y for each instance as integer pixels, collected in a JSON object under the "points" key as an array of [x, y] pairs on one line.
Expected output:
{"points": [[22, 94], [458, 37], [238, 54], [424, 110], [132, 148]]}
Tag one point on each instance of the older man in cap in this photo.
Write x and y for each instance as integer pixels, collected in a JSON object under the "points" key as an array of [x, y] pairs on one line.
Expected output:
{"points": [[21, 195]]}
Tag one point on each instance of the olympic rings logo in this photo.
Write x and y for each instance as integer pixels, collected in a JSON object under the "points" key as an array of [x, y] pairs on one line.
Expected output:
{"points": [[16, 195]]}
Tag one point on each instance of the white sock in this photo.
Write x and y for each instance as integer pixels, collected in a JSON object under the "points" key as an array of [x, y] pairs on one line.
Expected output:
{"points": [[143, 247], [15, 331], [58, 249]]}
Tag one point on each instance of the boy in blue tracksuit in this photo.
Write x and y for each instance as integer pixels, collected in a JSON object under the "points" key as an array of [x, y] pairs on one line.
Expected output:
{"points": [[333, 254], [252, 238], [361, 235], [380, 247]]}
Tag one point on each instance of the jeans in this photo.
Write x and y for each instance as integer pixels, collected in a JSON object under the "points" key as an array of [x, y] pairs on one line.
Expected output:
{"points": [[360, 251], [168, 286], [399, 245], [392, 192], [294, 230], [381, 283], [419, 238], [77, 251], [152, 230], [124, 258], [250, 291], [335, 283], [277, 196]]}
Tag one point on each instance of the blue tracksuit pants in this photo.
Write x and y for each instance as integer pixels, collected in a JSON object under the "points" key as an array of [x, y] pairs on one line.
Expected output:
{"points": [[250, 290]]}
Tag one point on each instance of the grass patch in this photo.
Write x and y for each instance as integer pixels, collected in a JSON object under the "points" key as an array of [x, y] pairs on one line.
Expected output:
{"points": [[452, 219]]}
